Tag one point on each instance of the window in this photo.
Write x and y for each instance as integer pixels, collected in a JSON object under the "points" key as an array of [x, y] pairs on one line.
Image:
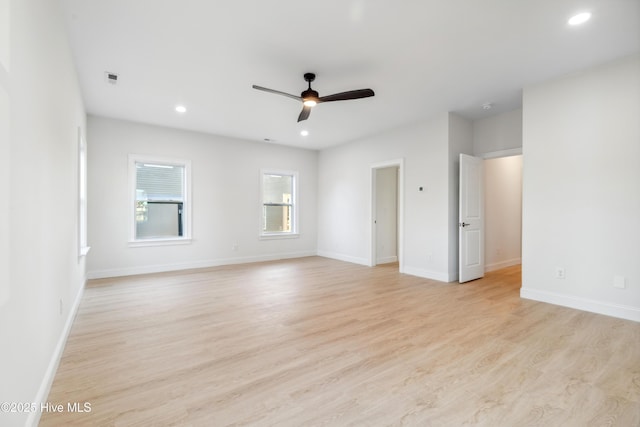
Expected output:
{"points": [[160, 200], [279, 210]]}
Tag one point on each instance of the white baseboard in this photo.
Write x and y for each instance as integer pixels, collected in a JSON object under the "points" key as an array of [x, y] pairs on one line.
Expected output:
{"points": [[426, 274], [342, 257], [161, 268], [45, 386], [453, 276], [584, 304], [502, 264], [387, 260]]}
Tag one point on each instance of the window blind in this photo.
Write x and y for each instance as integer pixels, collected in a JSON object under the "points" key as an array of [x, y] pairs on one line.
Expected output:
{"points": [[159, 182]]}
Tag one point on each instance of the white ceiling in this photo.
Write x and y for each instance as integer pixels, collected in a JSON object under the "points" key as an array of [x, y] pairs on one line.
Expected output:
{"points": [[421, 57]]}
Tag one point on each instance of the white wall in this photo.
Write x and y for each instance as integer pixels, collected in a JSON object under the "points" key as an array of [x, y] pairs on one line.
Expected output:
{"points": [[498, 133], [5, 150], [503, 212], [344, 174], [5, 34], [41, 110], [386, 215], [225, 195], [581, 195]]}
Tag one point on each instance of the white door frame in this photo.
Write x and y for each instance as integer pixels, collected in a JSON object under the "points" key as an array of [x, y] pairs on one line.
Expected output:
{"points": [[399, 163]]}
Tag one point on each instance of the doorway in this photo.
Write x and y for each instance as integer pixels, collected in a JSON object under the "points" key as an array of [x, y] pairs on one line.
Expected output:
{"points": [[387, 201], [503, 211], [497, 243]]}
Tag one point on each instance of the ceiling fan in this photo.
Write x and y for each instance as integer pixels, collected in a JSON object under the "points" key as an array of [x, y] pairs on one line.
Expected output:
{"points": [[310, 97]]}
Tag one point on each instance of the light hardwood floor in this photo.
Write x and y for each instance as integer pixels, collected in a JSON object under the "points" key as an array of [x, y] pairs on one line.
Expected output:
{"points": [[313, 342]]}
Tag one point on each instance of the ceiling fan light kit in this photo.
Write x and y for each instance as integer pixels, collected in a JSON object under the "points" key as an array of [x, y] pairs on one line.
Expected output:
{"points": [[310, 98]]}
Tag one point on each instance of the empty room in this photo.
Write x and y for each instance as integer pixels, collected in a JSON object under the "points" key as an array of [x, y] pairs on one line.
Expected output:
{"points": [[337, 213]]}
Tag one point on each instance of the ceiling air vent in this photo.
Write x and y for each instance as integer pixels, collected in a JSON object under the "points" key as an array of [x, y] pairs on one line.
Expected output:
{"points": [[111, 78]]}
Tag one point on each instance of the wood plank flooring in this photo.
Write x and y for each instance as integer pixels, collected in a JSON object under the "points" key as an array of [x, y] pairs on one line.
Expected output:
{"points": [[318, 342]]}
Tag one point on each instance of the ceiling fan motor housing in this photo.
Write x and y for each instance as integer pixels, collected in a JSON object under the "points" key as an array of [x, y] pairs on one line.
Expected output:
{"points": [[309, 94]]}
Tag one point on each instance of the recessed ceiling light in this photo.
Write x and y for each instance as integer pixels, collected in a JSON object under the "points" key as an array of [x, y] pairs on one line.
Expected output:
{"points": [[580, 18], [181, 109], [304, 132], [487, 106]]}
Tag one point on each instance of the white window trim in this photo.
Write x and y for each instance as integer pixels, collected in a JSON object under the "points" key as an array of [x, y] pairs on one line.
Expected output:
{"points": [[186, 204], [295, 233], [83, 247]]}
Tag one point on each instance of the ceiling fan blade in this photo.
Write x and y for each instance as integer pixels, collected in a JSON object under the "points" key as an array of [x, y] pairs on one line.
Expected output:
{"points": [[277, 92], [344, 96], [304, 114]]}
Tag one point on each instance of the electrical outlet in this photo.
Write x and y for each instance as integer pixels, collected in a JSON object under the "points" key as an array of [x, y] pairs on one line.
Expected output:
{"points": [[234, 247], [560, 273], [619, 282], [61, 306]]}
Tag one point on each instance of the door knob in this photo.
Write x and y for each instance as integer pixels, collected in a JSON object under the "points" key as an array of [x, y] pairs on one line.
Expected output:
{"points": [[464, 224]]}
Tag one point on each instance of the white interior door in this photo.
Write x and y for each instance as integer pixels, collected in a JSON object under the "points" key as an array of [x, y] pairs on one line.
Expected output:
{"points": [[471, 219]]}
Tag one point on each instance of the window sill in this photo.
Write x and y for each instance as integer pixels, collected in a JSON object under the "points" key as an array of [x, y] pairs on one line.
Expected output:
{"points": [[158, 242], [273, 236]]}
